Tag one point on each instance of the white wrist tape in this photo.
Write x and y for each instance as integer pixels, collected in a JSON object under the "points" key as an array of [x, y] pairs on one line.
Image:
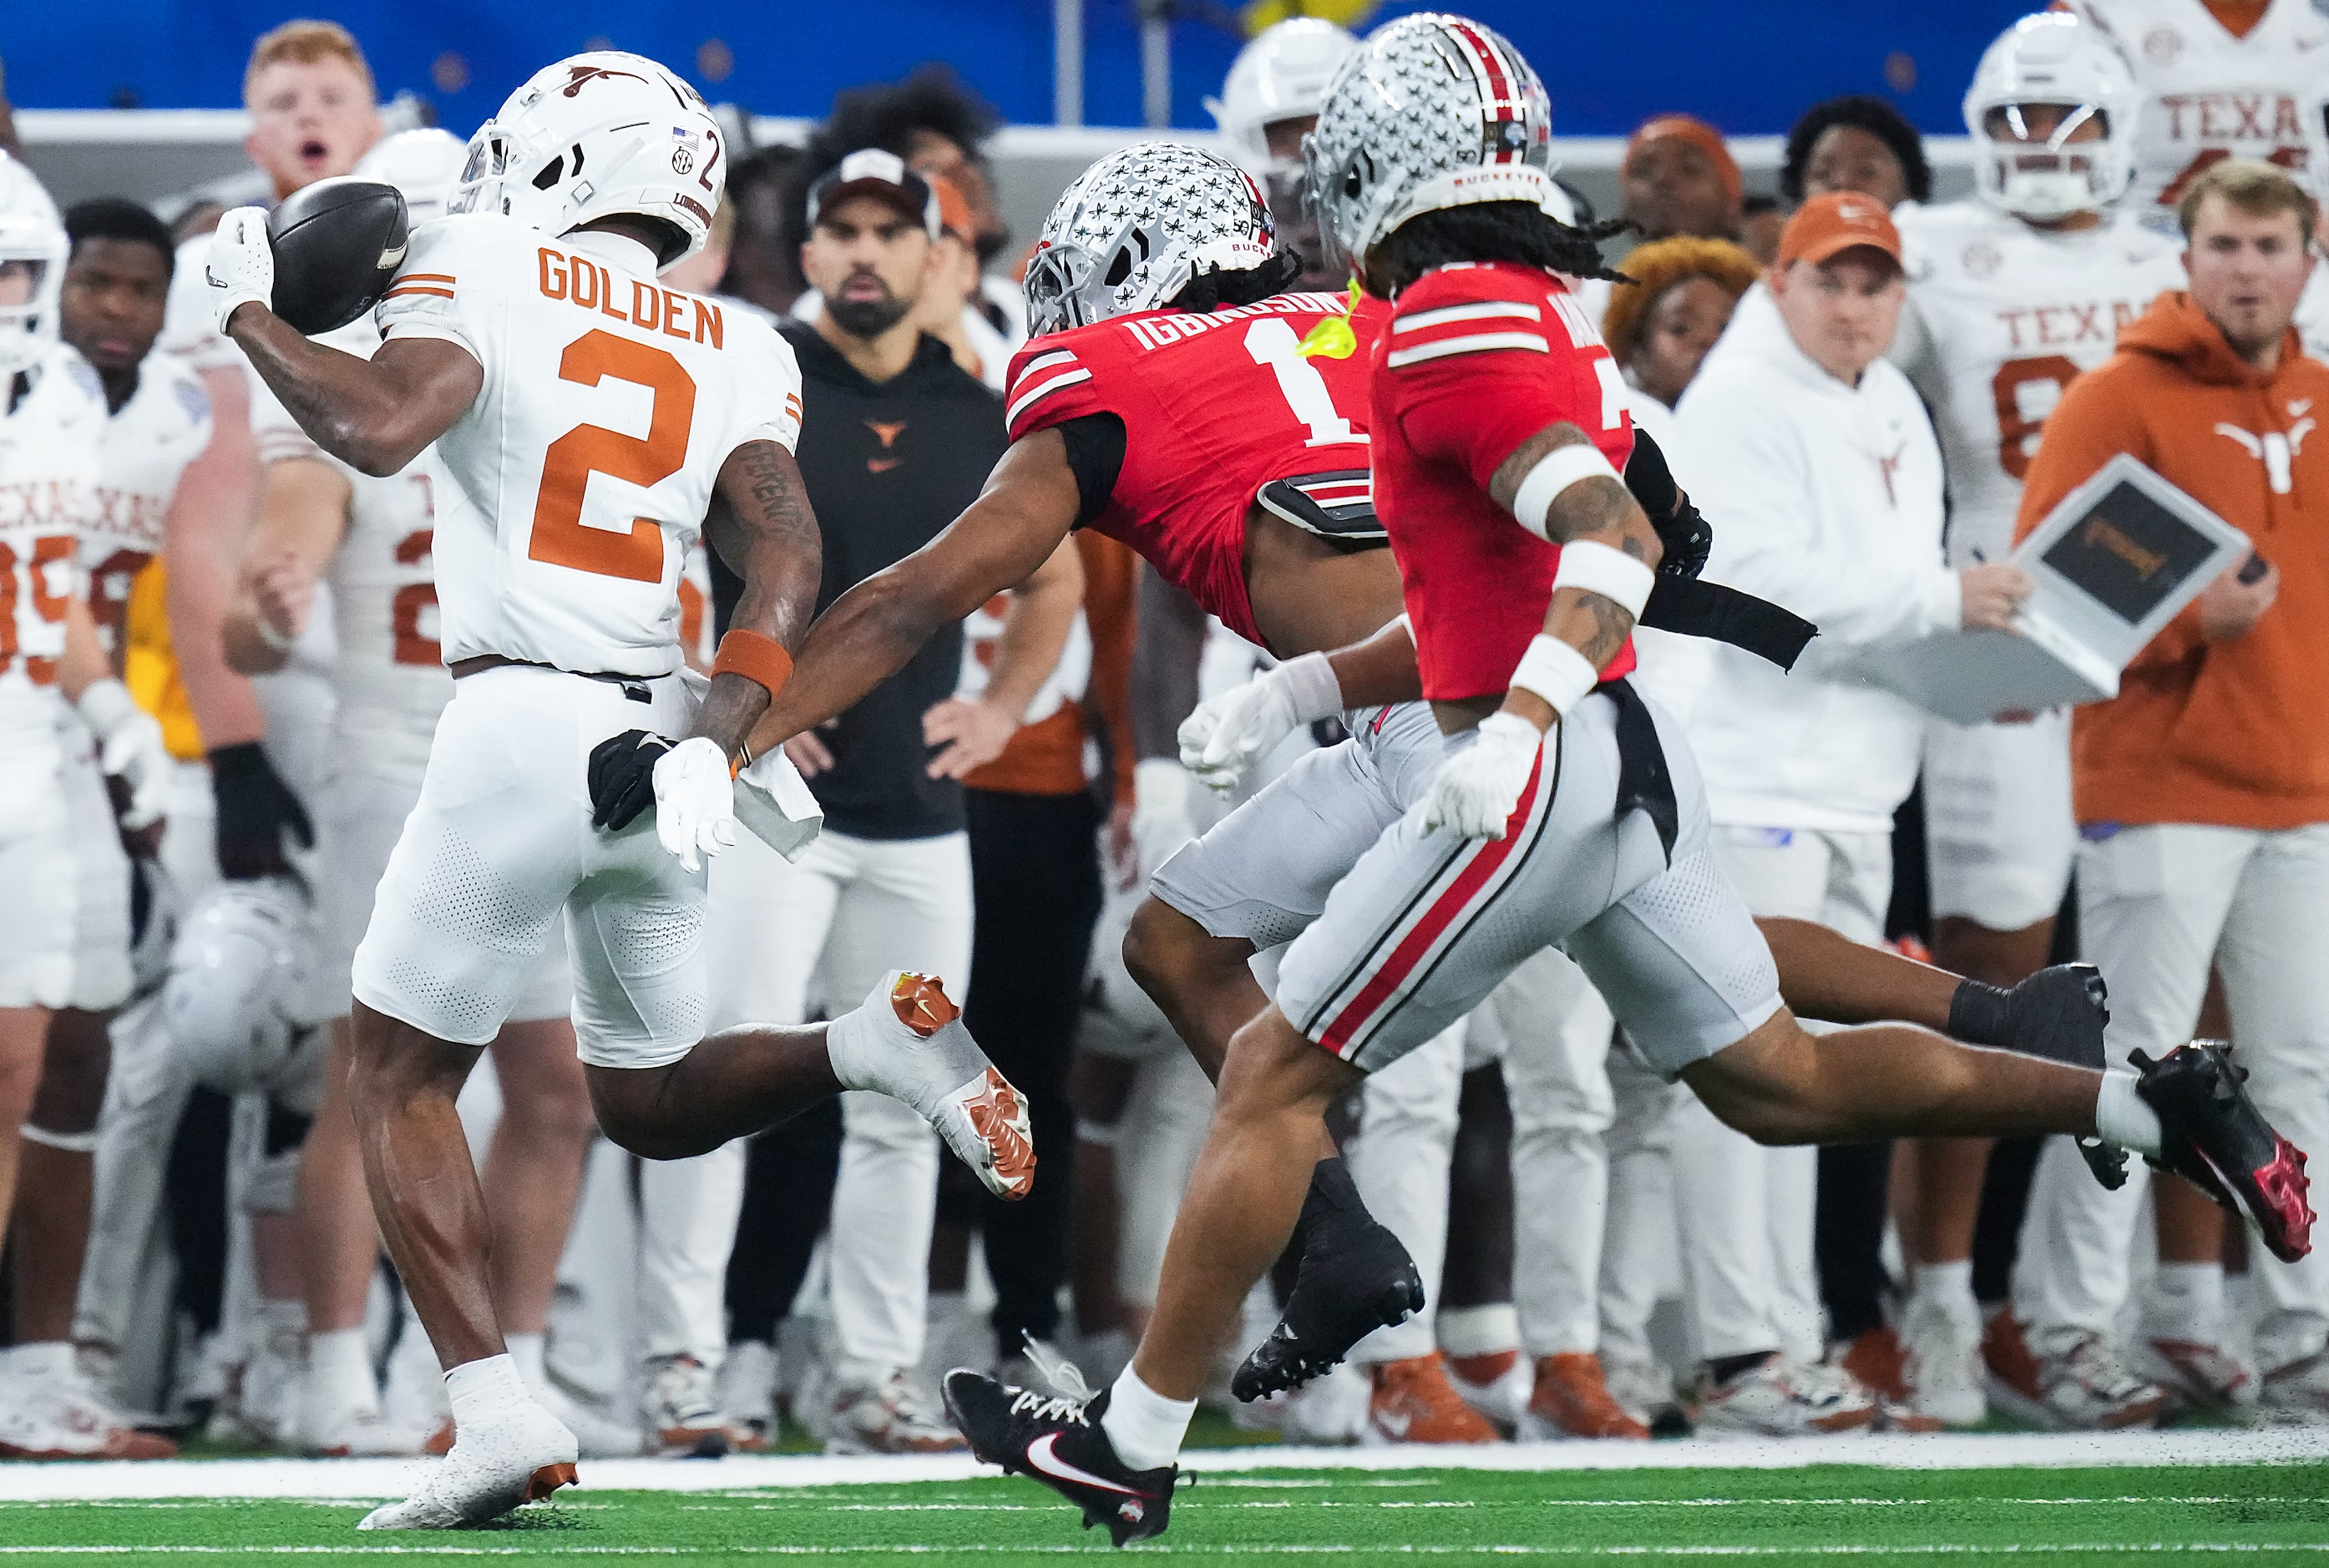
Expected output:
{"points": [[105, 703], [1555, 472], [1310, 682], [63, 1142], [1596, 568], [270, 636], [1555, 672]]}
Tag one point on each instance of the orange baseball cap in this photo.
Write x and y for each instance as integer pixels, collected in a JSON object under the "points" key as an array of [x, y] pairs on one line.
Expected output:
{"points": [[954, 211], [1827, 226]]}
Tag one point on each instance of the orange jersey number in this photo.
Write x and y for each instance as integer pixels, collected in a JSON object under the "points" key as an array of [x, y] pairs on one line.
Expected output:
{"points": [[2022, 388], [48, 607], [560, 535]]}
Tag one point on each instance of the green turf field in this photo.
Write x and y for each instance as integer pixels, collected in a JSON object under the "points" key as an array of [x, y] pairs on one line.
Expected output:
{"points": [[2254, 1512]]}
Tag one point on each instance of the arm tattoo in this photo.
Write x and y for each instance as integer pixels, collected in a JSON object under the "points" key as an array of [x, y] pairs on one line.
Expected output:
{"points": [[771, 541], [1611, 625]]}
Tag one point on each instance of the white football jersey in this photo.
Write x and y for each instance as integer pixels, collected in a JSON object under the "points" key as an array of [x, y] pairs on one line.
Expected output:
{"points": [[569, 494], [2001, 318], [389, 673], [148, 443], [2207, 95], [50, 442], [2313, 312]]}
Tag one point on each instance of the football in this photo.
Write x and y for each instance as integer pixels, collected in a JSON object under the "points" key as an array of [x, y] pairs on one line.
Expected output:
{"points": [[337, 244]]}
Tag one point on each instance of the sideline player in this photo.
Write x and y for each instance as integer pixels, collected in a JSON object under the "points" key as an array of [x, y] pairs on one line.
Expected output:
{"points": [[2012, 296], [1175, 410], [367, 539], [117, 280], [1526, 565], [57, 692], [560, 619]]}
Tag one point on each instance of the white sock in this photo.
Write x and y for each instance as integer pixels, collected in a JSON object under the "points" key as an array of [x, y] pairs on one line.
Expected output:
{"points": [[847, 1041], [483, 1391], [1479, 1330], [2187, 1303], [531, 1354], [47, 1361], [339, 1363], [2121, 1117], [1144, 1428], [1951, 1286]]}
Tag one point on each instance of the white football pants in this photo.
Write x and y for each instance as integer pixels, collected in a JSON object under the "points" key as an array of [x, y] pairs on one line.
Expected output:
{"points": [[832, 924], [2156, 904]]}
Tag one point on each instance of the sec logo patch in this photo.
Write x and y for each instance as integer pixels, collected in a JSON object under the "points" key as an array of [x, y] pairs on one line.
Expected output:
{"points": [[2163, 46]]}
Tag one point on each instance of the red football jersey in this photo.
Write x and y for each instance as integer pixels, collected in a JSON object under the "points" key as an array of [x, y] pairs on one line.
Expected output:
{"points": [[1214, 407], [1480, 357]]}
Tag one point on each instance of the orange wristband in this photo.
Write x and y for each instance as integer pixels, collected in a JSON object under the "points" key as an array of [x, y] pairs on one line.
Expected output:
{"points": [[757, 659]]}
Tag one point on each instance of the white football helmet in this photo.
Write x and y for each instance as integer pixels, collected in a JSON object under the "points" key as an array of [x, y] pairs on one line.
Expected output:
{"points": [[1137, 226], [239, 965], [600, 133], [423, 163], [1434, 111], [31, 268], [2057, 58], [1281, 75]]}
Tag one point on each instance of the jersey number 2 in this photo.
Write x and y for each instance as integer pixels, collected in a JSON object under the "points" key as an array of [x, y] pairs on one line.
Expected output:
{"points": [[1271, 343], [561, 536]]}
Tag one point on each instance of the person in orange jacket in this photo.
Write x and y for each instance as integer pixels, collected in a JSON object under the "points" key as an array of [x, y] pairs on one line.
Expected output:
{"points": [[2201, 790]]}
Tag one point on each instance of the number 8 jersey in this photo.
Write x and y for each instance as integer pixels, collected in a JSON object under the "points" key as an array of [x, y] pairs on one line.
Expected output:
{"points": [[567, 494], [2001, 318]]}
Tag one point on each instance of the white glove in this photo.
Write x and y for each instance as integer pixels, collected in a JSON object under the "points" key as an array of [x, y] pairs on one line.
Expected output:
{"points": [[695, 800], [1225, 735], [1476, 789], [129, 748], [240, 268]]}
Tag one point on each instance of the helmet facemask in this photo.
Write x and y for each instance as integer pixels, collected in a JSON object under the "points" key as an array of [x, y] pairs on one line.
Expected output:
{"points": [[2055, 175]]}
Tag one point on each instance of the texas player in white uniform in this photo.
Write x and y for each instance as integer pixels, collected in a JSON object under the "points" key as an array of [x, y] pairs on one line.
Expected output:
{"points": [[2218, 80], [2012, 295], [368, 541], [56, 693], [528, 341]]}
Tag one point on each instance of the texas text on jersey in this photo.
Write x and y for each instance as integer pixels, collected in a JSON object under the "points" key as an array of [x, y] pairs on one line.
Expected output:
{"points": [[568, 493], [2209, 93], [2002, 317], [1205, 429], [148, 442], [1480, 357], [50, 440]]}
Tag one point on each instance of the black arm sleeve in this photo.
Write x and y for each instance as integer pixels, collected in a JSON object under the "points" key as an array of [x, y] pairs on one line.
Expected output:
{"points": [[1095, 456], [1681, 531]]}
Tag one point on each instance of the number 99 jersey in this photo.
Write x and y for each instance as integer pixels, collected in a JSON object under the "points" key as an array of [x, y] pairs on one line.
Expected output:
{"points": [[1215, 406], [2001, 318], [567, 494]]}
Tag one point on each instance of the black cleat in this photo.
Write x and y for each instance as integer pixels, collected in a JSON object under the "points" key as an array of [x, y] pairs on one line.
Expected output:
{"points": [[1057, 1439], [2215, 1137], [1354, 1279]]}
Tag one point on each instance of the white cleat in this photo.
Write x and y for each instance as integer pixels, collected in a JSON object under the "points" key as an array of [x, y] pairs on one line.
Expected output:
{"points": [[1945, 1370], [522, 1456], [908, 1042]]}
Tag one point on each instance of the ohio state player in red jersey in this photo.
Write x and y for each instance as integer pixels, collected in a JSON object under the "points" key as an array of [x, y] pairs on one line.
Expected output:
{"points": [[1525, 564]]}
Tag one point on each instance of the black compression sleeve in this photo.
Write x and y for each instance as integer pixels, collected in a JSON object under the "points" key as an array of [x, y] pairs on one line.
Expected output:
{"points": [[1095, 456]]}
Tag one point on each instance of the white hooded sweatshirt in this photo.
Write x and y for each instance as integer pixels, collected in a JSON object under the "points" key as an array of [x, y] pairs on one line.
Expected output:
{"points": [[1826, 499]]}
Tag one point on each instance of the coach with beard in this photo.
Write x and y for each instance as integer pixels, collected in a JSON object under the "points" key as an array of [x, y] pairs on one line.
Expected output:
{"points": [[896, 441]]}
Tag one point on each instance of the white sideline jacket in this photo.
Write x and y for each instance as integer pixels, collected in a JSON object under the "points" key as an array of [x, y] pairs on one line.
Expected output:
{"points": [[1825, 499]]}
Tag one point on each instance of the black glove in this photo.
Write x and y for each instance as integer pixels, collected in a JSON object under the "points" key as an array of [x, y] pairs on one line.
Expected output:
{"points": [[255, 809], [622, 777], [1684, 534]]}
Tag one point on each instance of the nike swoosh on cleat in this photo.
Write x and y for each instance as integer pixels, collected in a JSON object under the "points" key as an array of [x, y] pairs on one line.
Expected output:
{"points": [[1040, 1458]]}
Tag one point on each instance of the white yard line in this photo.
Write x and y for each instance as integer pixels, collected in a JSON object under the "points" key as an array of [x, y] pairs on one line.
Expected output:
{"points": [[918, 1549], [313, 1478]]}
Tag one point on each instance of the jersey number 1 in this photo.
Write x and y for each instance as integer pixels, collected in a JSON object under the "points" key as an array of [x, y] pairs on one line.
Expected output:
{"points": [[561, 536], [1271, 342]]}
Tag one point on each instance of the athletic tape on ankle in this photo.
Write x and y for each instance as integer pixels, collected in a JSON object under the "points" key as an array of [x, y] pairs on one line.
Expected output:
{"points": [[1555, 472], [67, 1142], [1555, 672], [1596, 568]]}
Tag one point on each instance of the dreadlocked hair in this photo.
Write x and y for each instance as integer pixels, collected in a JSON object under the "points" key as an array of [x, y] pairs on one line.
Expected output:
{"points": [[1517, 231], [1219, 289]]}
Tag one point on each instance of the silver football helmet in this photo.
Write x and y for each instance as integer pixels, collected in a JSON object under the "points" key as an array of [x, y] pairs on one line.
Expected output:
{"points": [[1434, 111], [2056, 58], [1137, 226], [238, 971]]}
